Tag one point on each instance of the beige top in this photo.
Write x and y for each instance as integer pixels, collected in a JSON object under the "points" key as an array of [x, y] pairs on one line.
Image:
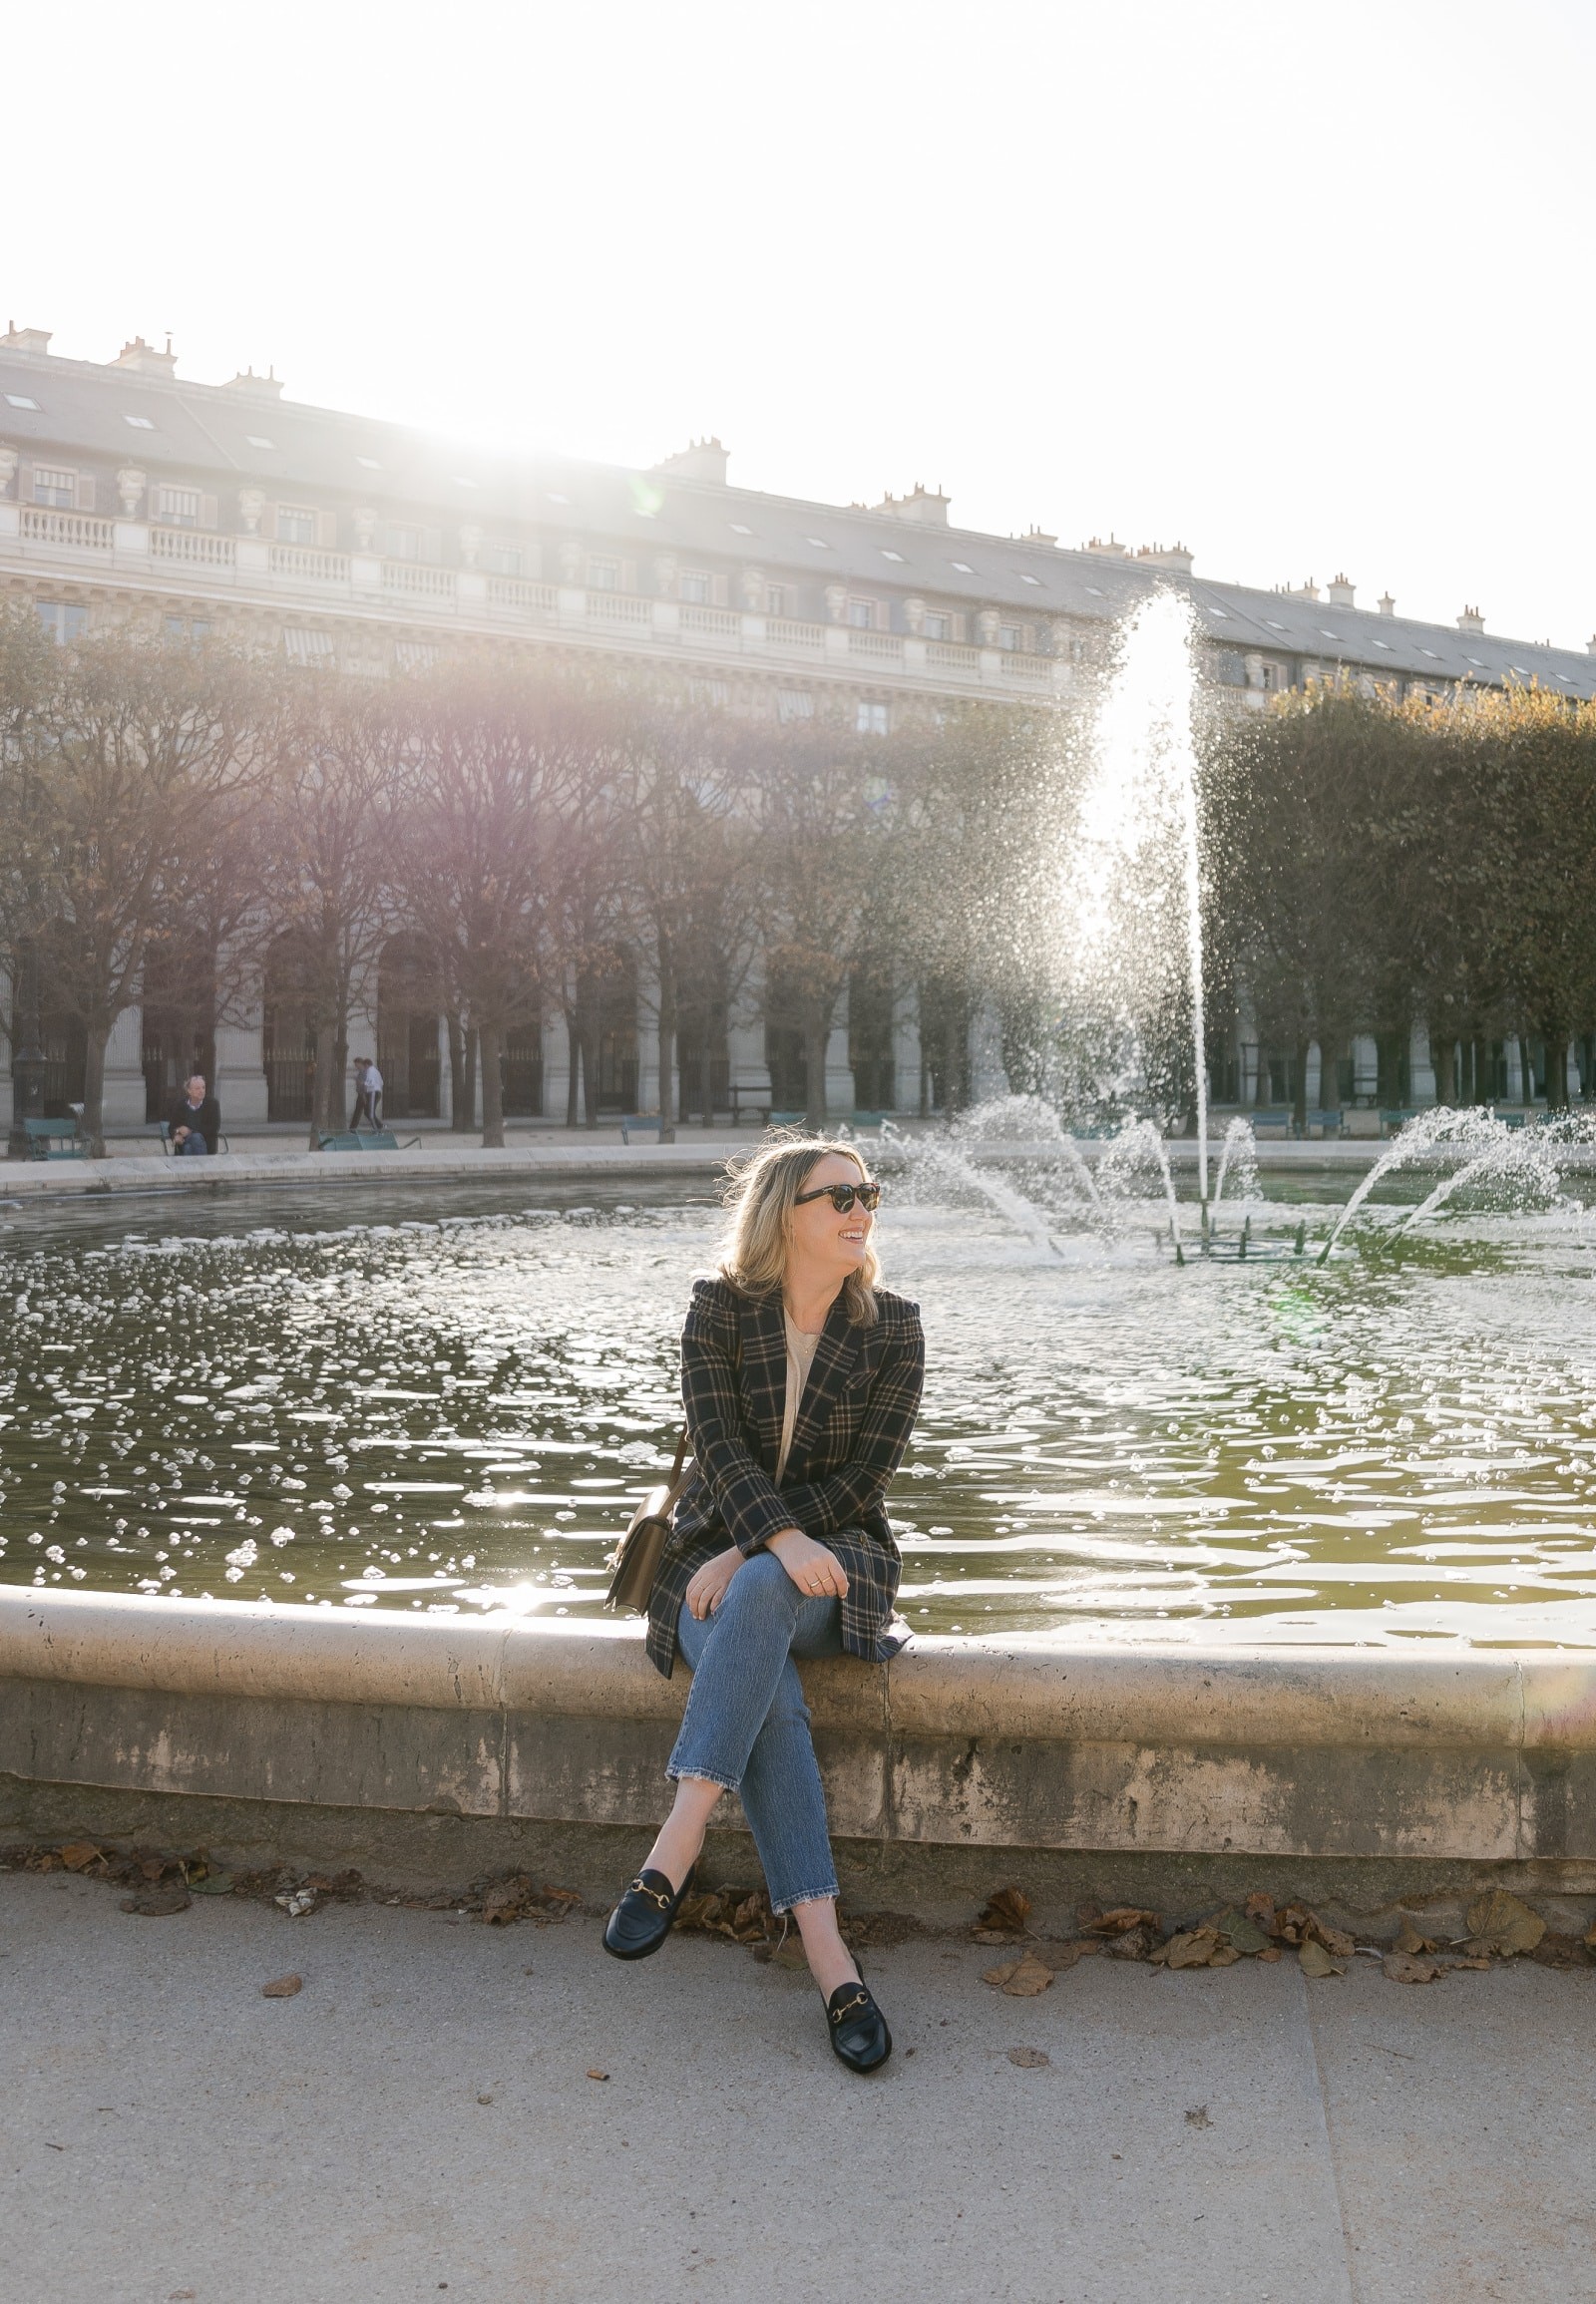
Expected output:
{"points": [[800, 1360]]}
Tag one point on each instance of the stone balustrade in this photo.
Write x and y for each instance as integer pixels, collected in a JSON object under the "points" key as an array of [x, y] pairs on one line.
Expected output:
{"points": [[302, 580]]}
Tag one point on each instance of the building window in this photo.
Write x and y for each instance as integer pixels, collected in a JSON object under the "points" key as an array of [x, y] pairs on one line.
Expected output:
{"points": [[309, 647], [399, 541], [177, 507], [52, 486], [1009, 635], [872, 719], [414, 656], [694, 586], [504, 560], [938, 626], [794, 704], [862, 616], [296, 524], [776, 600], [715, 693], [187, 628], [603, 575], [61, 620]]}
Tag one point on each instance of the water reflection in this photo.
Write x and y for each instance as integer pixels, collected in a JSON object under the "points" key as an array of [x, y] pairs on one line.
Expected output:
{"points": [[281, 1402]]}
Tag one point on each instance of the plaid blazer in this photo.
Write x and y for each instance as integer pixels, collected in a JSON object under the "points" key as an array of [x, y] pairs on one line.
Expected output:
{"points": [[853, 1427]]}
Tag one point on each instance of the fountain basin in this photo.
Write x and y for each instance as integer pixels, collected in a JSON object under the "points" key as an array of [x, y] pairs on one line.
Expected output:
{"points": [[238, 1726]]}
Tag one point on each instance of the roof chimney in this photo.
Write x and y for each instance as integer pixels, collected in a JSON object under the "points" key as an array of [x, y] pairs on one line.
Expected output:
{"points": [[17, 339], [253, 387], [145, 360], [1035, 534], [699, 460], [1471, 621], [1306, 592], [925, 507], [1174, 556], [1107, 547], [1387, 607], [1339, 593]]}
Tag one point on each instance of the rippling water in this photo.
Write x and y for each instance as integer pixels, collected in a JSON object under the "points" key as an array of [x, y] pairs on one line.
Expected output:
{"points": [[346, 1399]]}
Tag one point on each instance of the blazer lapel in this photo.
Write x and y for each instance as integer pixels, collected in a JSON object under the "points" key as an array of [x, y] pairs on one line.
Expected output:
{"points": [[764, 1362], [835, 1357]]}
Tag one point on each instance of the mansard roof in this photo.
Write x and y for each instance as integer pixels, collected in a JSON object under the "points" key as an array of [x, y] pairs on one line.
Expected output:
{"points": [[224, 433]]}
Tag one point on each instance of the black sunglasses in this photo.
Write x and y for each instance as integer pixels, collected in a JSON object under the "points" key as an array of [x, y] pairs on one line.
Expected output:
{"points": [[843, 1196]]}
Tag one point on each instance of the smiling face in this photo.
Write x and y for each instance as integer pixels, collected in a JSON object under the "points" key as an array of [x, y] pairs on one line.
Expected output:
{"points": [[821, 1244]]}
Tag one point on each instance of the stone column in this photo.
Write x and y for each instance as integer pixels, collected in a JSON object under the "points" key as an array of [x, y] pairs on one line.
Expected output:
{"points": [[556, 1065], [240, 1086], [122, 1107]]}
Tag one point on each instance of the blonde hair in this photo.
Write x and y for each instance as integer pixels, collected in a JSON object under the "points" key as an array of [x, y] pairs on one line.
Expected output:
{"points": [[761, 1189]]}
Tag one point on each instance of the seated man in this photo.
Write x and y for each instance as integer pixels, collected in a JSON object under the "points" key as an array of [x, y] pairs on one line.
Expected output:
{"points": [[195, 1123]]}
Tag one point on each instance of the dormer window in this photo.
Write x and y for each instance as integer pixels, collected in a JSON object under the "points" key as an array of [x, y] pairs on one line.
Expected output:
{"points": [[177, 507], [296, 524], [862, 616], [938, 624], [603, 575], [693, 584], [53, 486], [1009, 635], [505, 560]]}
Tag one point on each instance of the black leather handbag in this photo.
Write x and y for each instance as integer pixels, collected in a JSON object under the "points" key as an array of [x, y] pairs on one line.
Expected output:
{"points": [[634, 1563]]}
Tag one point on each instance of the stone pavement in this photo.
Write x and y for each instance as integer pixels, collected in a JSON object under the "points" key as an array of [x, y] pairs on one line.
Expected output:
{"points": [[420, 2121]]}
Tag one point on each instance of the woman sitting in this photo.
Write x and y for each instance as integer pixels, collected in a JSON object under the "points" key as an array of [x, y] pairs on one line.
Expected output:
{"points": [[801, 1379]]}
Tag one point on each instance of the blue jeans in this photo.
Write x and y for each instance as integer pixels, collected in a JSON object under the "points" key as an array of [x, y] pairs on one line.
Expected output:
{"points": [[193, 1147], [746, 1724]]}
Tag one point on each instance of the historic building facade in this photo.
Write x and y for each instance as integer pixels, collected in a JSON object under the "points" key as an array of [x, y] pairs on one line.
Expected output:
{"points": [[128, 492]]}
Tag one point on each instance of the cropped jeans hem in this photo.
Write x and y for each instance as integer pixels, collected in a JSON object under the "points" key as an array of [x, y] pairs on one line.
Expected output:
{"points": [[746, 1724]]}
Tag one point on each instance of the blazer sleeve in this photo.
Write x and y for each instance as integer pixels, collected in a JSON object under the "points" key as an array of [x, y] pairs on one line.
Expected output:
{"points": [[745, 1495], [821, 1507]]}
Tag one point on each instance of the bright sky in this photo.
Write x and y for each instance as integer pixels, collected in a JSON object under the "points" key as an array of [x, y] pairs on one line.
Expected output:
{"points": [[1305, 287]]}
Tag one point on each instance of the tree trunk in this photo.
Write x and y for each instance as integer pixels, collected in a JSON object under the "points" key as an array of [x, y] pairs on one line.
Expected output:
{"points": [[492, 1102], [1557, 1072], [93, 1090], [1298, 1103], [589, 1074], [573, 1066], [817, 1031], [668, 1051], [320, 1091], [1331, 1045], [1527, 1073], [462, 1075], [1443, 1054]]}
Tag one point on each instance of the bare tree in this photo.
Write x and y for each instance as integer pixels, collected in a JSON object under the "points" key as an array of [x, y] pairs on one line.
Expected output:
{"points": [[132, 763], [490, 758]]}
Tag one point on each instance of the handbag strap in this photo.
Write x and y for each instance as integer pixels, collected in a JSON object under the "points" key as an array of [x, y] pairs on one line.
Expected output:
{"points": [[682, 1451]]}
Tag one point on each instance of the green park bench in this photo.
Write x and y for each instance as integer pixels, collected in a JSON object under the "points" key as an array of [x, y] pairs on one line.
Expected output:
{"points": [[54, 1140], [749, 1096], [1328, 1123], [641, 1124], [1270, 1116], [1396, 1116]]}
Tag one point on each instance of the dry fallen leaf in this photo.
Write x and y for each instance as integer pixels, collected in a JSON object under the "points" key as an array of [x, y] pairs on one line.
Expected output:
{"points": [[281, 1988], [1060, 1957], [594, 2073], [1500, 1922], [1021, 1979], [1271, 1952], [1123, 1919], [1409, 1968], [1135, 1944], [1027, 2058], [1471, 1963], [1315, 1961], [1191, 1949], [1244, 1933], [1409, 1940], [157, 1903], [1004, 1914], [79, 1854]]}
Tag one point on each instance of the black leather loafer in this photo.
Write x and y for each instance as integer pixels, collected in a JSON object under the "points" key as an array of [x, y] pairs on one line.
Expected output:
{"points": [[859, 2034], [643, 1918]]}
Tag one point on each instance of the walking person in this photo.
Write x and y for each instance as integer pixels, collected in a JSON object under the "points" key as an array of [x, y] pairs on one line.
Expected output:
{"points": [[368, 1092], [801, 1379]]}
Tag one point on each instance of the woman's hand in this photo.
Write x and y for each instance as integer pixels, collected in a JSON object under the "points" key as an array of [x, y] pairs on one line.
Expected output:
{"points": [[818, 1574], [708, 1587]]}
